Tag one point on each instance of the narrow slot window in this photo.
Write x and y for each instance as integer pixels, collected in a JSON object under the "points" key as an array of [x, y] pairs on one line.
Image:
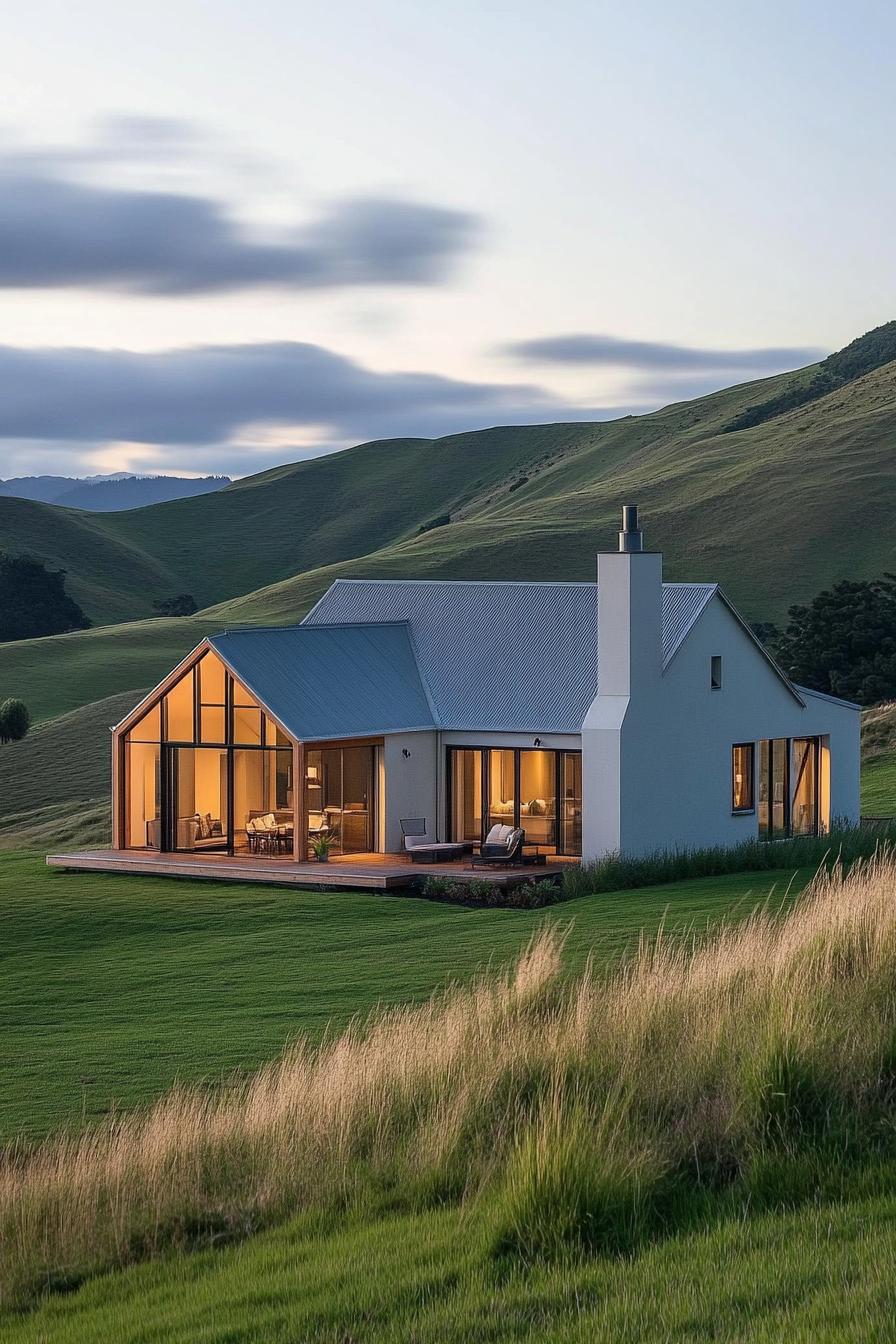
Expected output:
{"points": [[742, 796]]}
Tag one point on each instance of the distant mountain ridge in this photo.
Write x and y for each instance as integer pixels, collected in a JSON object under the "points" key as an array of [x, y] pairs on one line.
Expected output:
{"points": [[111, 493]]}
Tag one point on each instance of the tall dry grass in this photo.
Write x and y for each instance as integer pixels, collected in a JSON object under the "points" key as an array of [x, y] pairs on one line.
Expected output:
{"points": [[592, 1110]]}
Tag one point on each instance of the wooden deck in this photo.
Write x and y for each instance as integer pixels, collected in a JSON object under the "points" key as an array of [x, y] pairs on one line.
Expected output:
{"points": [[367, 872]]}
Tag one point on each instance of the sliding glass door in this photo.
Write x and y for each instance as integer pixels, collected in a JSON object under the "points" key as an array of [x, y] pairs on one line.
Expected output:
{"points": [[339, 797], [536, 789], [197, 815], [788, 788]]}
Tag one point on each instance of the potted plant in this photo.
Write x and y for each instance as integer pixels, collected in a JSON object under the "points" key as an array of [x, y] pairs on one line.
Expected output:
{"points": [[321, 846]]}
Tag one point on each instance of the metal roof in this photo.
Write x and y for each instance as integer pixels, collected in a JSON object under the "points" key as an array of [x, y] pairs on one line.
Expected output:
{"points": [[512, 657], [326, 681]]}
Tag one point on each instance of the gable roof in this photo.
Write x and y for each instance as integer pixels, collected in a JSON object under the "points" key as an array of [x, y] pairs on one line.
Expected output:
{"points": [[334, 680], [502, 657]]}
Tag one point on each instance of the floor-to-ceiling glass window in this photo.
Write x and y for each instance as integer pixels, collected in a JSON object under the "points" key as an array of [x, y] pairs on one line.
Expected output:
{"points": [[339, 797], [203, 764], [536, 789]]}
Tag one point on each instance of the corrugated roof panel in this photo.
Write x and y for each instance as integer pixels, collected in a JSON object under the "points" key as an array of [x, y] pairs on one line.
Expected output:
{"points": [[682, 605], [326, 681], [515, 657]]}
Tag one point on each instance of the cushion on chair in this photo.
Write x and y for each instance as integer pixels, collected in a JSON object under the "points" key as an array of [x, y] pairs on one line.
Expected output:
{"points": [[417, 841]]}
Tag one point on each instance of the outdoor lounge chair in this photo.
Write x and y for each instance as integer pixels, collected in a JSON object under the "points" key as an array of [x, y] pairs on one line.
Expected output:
{"points": [[502, 848], [422, 848]]}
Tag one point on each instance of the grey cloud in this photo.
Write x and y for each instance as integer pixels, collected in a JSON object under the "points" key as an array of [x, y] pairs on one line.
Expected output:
{"points": [[598, 350], [207, 394], [56, 231]]}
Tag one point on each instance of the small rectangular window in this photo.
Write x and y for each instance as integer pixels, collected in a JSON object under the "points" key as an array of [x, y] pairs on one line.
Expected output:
{"points": [[742, 777], [715, 672]]}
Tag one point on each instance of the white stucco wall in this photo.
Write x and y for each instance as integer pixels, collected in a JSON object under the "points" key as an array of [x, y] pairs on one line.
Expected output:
{"points": [[410, 785], [657, 763]]}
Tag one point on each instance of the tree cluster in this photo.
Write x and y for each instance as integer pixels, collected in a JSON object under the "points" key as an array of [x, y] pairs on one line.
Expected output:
{"points": [[843, 642], [33, 600]]}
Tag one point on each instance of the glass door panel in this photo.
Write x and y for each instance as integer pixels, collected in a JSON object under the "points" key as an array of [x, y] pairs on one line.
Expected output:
{"points": [[804, 793], [502, 809], [197, 794], [251, 797], [466, 794], [764, 791], [571, 803], [780, 788], [357, 799], [142, 815], [331, 794], [538, 797]]}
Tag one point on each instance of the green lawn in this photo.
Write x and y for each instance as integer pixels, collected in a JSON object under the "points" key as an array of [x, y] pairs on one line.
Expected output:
{"points": [[879, 788], [111, 987], [816, 1275]]}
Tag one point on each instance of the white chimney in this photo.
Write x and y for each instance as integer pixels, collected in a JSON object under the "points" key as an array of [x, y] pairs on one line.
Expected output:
{"points": [[630, 612], [629, 621]]}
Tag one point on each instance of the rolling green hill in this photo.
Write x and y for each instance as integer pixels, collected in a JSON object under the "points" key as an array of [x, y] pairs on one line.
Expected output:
{"points": [[774, 512], [279, 523], [527, 501]]}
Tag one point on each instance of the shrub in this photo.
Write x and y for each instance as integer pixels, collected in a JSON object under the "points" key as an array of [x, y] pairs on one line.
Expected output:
{"points": [[441, 521], [522, 895], [15, 720]]}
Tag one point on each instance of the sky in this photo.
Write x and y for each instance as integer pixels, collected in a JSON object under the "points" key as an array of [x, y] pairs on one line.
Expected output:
{"points": [[236, 235]]}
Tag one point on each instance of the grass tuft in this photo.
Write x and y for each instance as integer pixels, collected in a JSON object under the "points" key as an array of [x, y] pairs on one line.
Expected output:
{"points": [[594, 1111]]}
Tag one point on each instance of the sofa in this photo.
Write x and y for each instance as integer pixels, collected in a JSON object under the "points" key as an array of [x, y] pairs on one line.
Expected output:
{"points": [[536, 818], [193, 832]]}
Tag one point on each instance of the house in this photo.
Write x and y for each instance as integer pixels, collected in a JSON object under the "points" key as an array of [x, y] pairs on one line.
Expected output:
{"points": [[625, 716]]}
